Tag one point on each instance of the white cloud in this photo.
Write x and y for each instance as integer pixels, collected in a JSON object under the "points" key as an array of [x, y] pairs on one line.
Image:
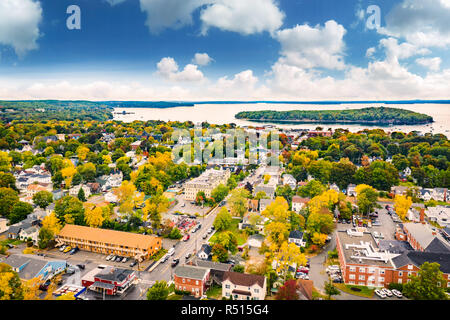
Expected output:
{"points": [[370, 52], [309, 47], [202, 59], [19, 24], [245, 17], [168, 69], [163, 14], [434, 64], [396, 51], [422, 23]]}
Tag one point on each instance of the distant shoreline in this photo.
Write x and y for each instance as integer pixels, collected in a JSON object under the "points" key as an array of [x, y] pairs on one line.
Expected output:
{"points": [[381, 116]]}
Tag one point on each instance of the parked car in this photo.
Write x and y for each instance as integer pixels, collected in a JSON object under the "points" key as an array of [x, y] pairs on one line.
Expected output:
{"points": [[133, 263], [74, 250], [81, 266], [303, 269], [376, 223], [113, 258], [186, 237], [205, 236], [164, 259], [70, 270], [397, 293], [119, 258], [210, 230], [387, 292], [67, 249], [188, 255], [193, 217], [9, 245], [171, 251], [44, 286], [125, 259], [380, 294], [175, 262], [62, 248]]}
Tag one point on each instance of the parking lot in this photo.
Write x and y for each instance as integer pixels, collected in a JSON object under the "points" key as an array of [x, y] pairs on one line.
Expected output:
{"points": [[186, 207]]}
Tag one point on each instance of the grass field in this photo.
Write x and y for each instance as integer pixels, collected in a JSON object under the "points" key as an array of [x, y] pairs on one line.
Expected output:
{"points": [[240, 235], [365, 291]]}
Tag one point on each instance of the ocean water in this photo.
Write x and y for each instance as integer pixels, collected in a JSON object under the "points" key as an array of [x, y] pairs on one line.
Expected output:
{"points": [[224, 113]]}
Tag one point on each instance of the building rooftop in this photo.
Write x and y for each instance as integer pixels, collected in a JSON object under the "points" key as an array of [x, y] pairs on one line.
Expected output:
{"points": [[191, 272], [361, 248], [118, 238], [417, 258], [423, 234], [244, 279]]}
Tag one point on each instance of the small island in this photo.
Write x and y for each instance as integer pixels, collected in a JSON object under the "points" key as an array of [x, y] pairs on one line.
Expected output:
{"points": [[369, 116]]}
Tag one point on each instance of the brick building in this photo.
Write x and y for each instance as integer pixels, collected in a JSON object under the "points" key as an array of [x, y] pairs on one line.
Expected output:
{"points": [[191, 278]]}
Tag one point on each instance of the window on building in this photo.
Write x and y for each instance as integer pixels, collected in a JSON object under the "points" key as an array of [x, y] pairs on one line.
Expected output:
{"points": [[362, 270], [257, 290], [400, 273], [400, 280], [227, 286], [352, 269], [184, 280], [352, 276], [410, 266], [382, 271], [196, 282], [362, 277]]}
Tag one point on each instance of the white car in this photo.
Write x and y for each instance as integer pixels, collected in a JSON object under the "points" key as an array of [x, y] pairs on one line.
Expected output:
{"points": [[387, 292], [380, 294], [397, 293], [108, 257], [62, 248]]}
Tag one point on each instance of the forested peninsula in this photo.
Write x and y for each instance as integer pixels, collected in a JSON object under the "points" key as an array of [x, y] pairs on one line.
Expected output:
{"points": [[372, 115]]}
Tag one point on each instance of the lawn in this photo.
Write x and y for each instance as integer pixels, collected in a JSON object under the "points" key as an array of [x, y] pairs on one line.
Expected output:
{"points": [[240, 235], [214, 292], [365, 291], [174, 297]]}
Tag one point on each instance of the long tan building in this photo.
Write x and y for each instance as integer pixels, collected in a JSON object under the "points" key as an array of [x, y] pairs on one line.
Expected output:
{"points": [[206, 182], [109, 241]]}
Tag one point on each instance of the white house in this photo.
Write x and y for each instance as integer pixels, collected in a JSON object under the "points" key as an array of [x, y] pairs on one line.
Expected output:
{"points": [[440, 215], [205, 252], [74, 191], [298, 203], [296, 237], [242, 286], [289, 180], [351, 190], [31, 232], [111, 197]]}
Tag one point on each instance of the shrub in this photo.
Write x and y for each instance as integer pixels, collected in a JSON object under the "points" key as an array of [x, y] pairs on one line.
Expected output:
{"points": [[396, 286]]}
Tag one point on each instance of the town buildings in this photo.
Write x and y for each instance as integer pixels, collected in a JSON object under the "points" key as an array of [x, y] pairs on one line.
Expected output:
{"points": [[109, 280], [242, 286], [109, 241], [206, 182]]}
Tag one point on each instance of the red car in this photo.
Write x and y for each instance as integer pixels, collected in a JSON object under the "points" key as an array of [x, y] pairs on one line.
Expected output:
{"points": [[187, 237], [303, 269]]}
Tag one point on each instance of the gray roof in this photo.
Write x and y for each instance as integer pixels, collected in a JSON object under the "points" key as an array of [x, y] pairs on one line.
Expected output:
{"points": [[417, 258], [212, 265], [191, 272], [114, 274], [394, 246], [206, 248], [422, 233], [437, 245], [265, 202], [32, 265], [296, 234]]}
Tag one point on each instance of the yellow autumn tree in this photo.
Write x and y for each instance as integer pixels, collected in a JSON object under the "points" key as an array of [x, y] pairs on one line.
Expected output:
{"points": [[5, 161], [82, 152], [31, 289], [402, 205], [319, 239], [107, 159], [68, 171], [289, 254], [324, 200], [51, 223], [93, 216]]}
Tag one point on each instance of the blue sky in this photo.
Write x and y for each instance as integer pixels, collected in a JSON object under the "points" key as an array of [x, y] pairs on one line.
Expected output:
{"points": [[254, 49]]}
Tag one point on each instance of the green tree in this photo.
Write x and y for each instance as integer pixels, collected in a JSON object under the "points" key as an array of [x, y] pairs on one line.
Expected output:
{"points": [[70, 210], [427, 285], [223, 220], [227, 239], [7, 180], [8, 197], [238, 202], [220, 253], [43, 199], [331, 290], [175, 233], [219, 193], [20, 211], [159, 291], [81, 195]]}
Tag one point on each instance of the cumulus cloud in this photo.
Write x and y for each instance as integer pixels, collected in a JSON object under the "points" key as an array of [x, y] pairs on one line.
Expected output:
{"points": [[421, 22], [434, 64], [19, 24], [163, 14], [202, 59], [245, 17], [396, 51], [309, 47], [168, 69]]}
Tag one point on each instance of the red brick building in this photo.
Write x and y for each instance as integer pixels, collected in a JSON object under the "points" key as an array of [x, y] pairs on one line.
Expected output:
{"points": [[191, 278], [364, 263]]}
